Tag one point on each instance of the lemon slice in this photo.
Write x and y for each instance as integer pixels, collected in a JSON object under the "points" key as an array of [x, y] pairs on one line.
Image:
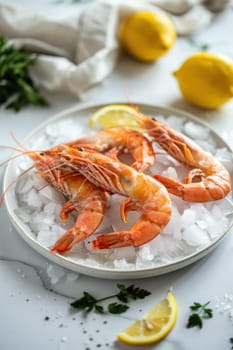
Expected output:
{"points": [[112, 116], [154, 326]]}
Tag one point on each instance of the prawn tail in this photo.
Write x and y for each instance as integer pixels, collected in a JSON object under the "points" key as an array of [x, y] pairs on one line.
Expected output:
{"points": [[66, 242], [173, 186], [113, 240]]}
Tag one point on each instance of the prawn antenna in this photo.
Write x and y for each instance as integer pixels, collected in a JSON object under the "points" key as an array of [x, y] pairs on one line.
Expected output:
{"points": [[17, 141]]}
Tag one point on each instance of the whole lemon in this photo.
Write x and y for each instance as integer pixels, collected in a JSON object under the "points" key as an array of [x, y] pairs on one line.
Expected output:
{"points": [[206, 79], [147, 35]]}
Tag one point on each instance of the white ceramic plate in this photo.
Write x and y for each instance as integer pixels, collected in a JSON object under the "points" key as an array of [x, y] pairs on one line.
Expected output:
{"points": [[79, 118]]}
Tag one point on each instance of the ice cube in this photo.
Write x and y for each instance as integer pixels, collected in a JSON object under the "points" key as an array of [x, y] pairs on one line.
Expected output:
{"points": [[194, 236], [50, 208], [196, 131], [188, 218], [47, 238], [41, 217], [55, 273], [51, 194], [23, 213], [24, 184], [216, 227], [33, 199], [145, 253], [174, 225], [170, 172]]}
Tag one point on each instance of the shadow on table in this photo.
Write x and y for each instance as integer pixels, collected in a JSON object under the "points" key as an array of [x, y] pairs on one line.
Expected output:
{"points": [[203, 114]]}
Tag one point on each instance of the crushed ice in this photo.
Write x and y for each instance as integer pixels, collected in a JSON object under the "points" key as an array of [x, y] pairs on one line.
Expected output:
{"points": [[57, 273]]}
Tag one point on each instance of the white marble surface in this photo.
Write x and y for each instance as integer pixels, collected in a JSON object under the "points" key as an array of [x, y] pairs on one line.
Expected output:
{"points": [[27, 294]]}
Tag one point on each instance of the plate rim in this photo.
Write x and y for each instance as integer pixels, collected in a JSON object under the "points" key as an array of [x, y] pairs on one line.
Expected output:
{"points": [[107, 272]]}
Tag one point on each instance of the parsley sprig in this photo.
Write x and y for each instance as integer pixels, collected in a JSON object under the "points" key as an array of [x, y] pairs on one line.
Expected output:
{"points": [[17, 89], [201, 312], [89, 303]]}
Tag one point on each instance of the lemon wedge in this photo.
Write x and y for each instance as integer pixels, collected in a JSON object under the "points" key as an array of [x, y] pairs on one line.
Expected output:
{"points": [[206, 79], [114, 116], [154, 326], [147, 36]]}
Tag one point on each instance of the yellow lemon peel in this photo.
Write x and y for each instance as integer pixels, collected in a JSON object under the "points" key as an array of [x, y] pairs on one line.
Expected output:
{"points": [[147, 36], [206, 79]]}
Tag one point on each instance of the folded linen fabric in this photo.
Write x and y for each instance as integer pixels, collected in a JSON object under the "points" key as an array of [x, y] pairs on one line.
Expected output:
{"points": [[78, 51]]}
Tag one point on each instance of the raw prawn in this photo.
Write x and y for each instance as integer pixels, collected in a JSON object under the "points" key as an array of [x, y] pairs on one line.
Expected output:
{"points": [[146, 195], [89, 201], [118, 140], [208, 179]]}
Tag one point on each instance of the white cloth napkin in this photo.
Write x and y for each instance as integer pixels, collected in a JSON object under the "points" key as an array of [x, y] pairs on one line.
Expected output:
{"points": [[78, 51]]}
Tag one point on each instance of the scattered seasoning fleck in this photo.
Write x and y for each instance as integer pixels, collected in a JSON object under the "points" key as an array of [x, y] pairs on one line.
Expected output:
{"points": [[106, 344], [140, 310], [87, 348], [105, 322], [60, 325], [81, 323], [27, 300], [46, 318], [97, 331], [84, 331], [73, 318], [91, 339], [98, 345]]}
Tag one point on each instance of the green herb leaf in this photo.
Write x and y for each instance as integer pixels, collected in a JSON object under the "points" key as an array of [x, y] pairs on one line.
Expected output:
{"points": [[231, 341], [116, 308], [208, 313], [195, 306], [202, 312], [17, 89], [131, 292], [195, 320], [89, 303], [99, 309]]}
